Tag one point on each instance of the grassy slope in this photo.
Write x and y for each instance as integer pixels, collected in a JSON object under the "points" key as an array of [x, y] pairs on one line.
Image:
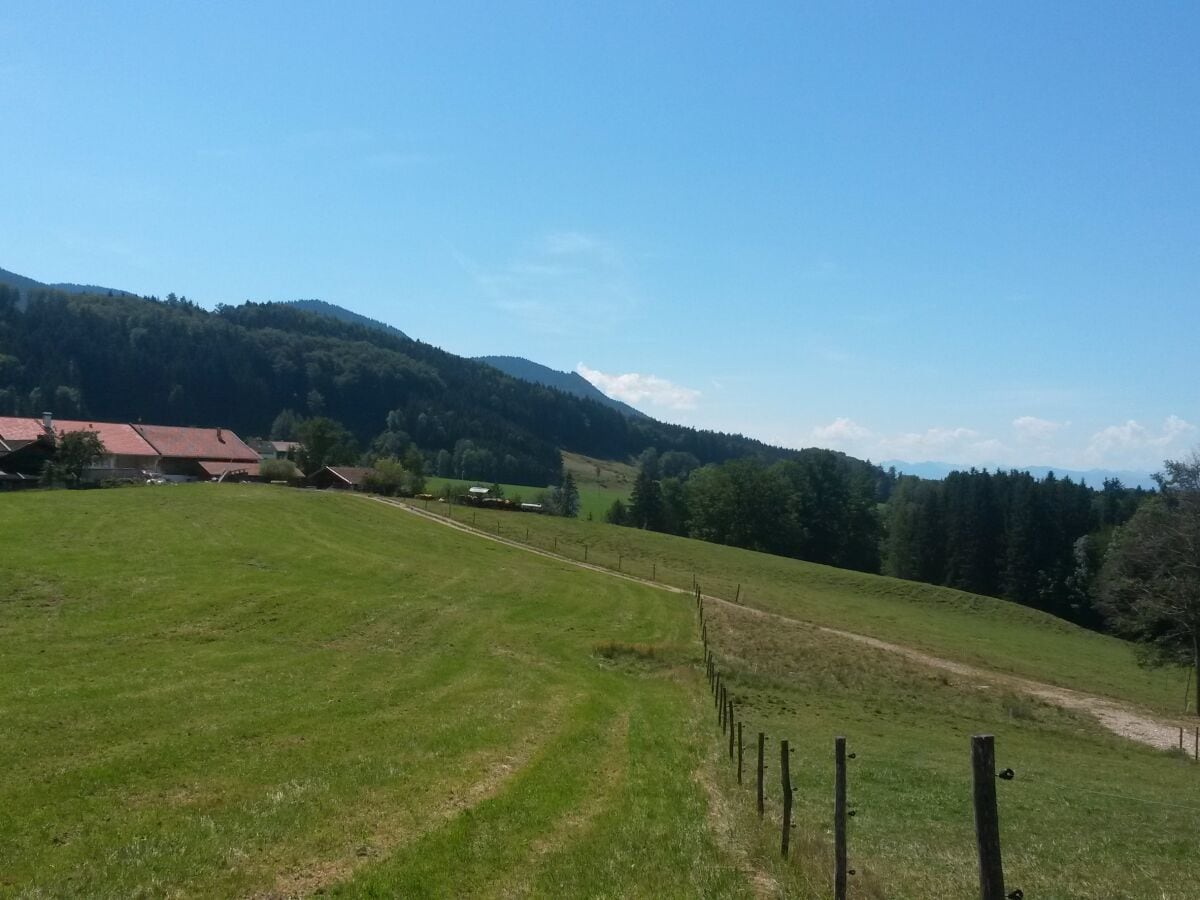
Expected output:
{"points": [[321, 686], [238, 689], [979, 630], [1089, 814]]}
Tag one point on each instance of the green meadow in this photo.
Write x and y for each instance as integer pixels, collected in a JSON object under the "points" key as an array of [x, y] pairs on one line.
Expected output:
{"points": [[967, 628], [216, 690], [600, 482], [224, 690]]}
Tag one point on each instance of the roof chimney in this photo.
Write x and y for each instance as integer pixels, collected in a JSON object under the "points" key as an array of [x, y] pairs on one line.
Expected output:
{"points": [[48, 422]]}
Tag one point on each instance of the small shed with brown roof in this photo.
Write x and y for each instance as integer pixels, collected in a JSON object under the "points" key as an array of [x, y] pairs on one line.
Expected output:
{"points": [[352, 478]]}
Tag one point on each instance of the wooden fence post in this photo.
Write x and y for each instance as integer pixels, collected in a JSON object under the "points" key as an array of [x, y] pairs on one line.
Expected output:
{"points": [[527, 534], [618, 562], [987, 817], [474, 515], [738, 595], [654, 571], [762, 740], [729, 718], [585, 552], [839, 818], [740, 748], [556, 543], [1198, 743], [785, 783]]}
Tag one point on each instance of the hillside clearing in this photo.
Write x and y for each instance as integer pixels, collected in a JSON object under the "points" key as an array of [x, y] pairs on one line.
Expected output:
{"points": [[1121, 719]]}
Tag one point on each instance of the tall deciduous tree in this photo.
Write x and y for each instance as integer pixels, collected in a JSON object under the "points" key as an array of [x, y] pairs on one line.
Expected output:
{"points": [[1150, 584], [74, 452], [324, 442]]}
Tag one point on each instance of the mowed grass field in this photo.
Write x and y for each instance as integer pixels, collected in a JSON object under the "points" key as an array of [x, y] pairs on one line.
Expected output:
{"points": [[968, 628], [221, 690], [1089, 814], [218, 690]]}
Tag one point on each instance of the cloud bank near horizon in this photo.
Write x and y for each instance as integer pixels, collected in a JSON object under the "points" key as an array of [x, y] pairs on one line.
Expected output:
{"points": [[1029, 441], [635, 388]]}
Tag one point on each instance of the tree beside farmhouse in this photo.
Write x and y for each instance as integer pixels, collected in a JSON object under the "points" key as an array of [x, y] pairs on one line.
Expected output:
{"points": [[74, 452], [1150, 583]]}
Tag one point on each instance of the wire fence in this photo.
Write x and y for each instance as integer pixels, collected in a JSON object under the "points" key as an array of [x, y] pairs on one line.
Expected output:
{"points": [[751, 752]]}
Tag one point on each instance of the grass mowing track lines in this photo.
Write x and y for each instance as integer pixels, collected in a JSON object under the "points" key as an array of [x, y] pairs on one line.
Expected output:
{"points": [[314, 683], [1070, 828], [204, 687]]}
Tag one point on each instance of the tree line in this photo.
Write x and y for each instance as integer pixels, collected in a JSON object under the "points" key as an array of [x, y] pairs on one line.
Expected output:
{"points": [[1039, 542]]}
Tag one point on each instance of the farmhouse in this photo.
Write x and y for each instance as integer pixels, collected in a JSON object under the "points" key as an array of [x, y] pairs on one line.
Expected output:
{"points": [[131, 451], [184, 452], [29, 442]]}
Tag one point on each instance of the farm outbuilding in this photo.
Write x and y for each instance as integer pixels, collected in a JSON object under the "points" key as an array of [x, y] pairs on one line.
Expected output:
{"points": [[344, 478]]}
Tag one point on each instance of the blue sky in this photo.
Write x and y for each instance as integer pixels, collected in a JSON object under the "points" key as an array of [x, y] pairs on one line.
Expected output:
{"points": [[956, 231]]}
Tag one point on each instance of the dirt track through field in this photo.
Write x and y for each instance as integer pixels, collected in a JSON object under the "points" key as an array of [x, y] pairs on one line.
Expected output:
{"points": [[1120, 718]]}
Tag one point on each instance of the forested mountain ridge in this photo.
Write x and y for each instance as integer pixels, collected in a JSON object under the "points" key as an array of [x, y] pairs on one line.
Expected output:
{"points": [[333, 311], [129, 358], [25, 285], [567, 382]]}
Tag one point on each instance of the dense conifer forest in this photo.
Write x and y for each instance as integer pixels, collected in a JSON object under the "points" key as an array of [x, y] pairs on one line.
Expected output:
{"points": [[127, 358], [1038, 542]]}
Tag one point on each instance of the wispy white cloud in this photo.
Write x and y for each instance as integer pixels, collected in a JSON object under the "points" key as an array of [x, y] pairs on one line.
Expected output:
{"points": [[955, 443], [636, 388], [577, 243], [1031, 429], [841, 431], [1133, 443], [562, 283]]}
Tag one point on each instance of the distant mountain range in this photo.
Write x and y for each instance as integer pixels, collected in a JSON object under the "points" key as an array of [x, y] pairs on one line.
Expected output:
{"points": [[1094, 477], [568, 382], [333, 311], [24, 285]]}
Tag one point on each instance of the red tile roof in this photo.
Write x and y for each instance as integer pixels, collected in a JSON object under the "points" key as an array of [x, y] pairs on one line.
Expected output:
{"points": [[197, 443], [214, 468], [117, 437], [20, 430]]}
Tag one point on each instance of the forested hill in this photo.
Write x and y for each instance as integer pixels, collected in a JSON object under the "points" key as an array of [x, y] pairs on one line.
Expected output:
{"points": [[25, 285], [567, 382], [333, 311], [127, 359]]}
